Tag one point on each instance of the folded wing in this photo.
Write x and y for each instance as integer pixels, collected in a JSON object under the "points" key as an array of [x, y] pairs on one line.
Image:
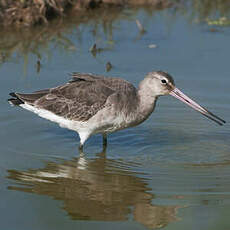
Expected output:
{"points": [[79, 99]]}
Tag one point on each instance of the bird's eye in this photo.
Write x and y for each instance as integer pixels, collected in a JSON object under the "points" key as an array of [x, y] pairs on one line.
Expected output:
{"points": [[163, 81]]}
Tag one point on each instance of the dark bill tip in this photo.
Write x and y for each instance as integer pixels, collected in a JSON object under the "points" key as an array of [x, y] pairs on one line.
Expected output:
{"points": [[182, 97]]}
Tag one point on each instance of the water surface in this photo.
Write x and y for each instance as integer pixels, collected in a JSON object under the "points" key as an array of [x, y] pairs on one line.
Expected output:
{"points": [[171, 172]]}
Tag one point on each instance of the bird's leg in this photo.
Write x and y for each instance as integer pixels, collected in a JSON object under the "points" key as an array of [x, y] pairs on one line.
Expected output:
{"points": [[80, 147], [104, 141], [83, 137]]}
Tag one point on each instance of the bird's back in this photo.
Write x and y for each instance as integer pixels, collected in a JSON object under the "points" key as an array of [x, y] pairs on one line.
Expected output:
{"points": [[82, 97]]}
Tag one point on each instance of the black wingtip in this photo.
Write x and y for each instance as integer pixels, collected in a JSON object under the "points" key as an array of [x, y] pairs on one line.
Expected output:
{"points": [[14, 100], [12, 94]]}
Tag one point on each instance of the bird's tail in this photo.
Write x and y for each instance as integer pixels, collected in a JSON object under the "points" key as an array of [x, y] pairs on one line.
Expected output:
{"points": [[30, 98], [15, 100]]}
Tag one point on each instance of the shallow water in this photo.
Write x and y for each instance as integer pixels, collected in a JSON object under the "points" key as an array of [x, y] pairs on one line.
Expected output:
{"points": [[171, 172]]}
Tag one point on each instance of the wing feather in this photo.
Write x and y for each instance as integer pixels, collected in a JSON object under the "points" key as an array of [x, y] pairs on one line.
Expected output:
{"points": [[82, 97], [78, 100]]}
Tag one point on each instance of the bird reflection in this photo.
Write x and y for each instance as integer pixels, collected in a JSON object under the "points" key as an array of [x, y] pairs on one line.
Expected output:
{"points": [[96, 189]]}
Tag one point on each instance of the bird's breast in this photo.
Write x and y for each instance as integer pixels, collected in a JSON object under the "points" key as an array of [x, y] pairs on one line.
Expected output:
{"points": [[110, 120]]}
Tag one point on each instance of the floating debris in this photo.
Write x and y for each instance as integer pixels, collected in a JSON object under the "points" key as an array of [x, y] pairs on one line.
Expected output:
{"points": [[152, 46], [38, 66], [108, 66], [93, 50], [213, 30], [140, 27], [223, 21], [2, 58]]}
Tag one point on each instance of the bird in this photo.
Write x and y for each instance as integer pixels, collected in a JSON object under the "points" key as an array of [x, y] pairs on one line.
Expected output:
{"points": [[91, 104]]}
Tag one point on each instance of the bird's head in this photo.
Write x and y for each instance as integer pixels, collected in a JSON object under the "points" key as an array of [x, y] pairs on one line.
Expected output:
{"points": [[160, 83]]}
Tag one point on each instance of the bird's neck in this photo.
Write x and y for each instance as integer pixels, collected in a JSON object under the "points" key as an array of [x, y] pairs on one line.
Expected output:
{"points": [[147, 102]]}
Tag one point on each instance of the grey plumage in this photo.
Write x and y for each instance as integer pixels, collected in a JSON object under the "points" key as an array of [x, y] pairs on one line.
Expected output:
{"points": [[82, 97]]}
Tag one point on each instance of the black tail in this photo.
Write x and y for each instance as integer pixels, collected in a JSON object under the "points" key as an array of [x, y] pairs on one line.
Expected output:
{"points": [[15, 100], [21, 98]]}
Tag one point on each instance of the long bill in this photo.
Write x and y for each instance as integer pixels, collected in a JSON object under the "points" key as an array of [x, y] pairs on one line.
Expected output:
{"points": [[182, 97]]}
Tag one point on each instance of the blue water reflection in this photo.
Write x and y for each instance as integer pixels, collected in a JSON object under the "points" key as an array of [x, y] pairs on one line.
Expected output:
{"points": [[171, 172]]}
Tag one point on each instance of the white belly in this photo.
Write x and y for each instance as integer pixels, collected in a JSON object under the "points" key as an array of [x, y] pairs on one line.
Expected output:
{"points": [[102, 122]]}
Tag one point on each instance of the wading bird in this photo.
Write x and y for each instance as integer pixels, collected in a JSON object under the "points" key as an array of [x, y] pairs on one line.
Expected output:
{"points": [[90, 104]]}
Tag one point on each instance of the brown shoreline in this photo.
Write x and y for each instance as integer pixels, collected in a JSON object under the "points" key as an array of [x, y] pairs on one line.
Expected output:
{"points": [[27, 13]]}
